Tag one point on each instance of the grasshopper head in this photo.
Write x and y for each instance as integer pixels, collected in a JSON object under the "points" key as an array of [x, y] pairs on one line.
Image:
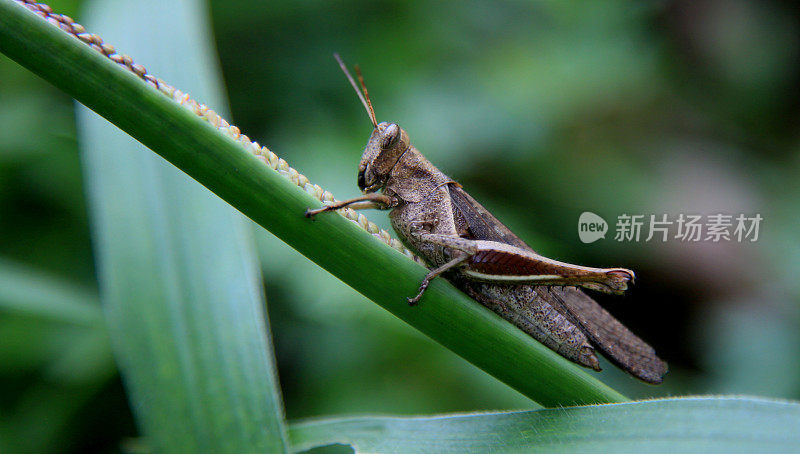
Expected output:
{"points": [[386, 145]]}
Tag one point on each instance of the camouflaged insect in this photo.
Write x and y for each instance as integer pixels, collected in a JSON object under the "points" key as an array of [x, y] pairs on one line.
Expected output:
{"points": [[461, 240]]}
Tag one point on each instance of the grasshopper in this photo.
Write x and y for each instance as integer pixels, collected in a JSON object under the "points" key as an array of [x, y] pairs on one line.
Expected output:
{"points": [[460, 239]]}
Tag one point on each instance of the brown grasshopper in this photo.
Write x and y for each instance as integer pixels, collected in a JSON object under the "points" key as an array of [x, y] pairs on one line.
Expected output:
{"points": [[457, 237]]}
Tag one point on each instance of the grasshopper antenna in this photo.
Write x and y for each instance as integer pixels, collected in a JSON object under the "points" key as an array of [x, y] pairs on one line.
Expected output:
{"points": [[365, 97]]}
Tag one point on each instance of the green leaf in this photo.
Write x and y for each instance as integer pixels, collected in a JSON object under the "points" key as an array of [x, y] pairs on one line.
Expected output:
{"points": [[335, 243], [701, 424], [57, 330], [26, 291], [178, 273]]}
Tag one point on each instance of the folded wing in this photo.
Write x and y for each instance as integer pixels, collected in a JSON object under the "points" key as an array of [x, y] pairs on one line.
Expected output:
{"points": [[610, 336]]}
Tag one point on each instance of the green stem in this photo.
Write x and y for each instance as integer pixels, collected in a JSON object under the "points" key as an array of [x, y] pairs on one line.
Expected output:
{"points": [[338, 245]]}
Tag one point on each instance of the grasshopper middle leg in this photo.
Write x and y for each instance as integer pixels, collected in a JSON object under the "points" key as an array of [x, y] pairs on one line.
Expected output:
{"points": [[430, 276]]}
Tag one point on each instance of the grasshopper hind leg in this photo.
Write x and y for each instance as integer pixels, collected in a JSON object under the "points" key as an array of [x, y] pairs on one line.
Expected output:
{"points": [[433, 274]]}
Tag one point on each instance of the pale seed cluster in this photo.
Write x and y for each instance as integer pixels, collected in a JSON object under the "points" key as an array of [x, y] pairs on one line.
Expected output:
{"points": [[262, 153]]}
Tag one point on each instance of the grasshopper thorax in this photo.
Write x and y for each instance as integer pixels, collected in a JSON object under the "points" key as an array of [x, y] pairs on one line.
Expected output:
{"points": [[386, 146]]}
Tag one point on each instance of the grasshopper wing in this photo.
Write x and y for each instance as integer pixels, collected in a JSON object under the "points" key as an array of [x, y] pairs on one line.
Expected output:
{"points": [[618, 343], [480, 223]]}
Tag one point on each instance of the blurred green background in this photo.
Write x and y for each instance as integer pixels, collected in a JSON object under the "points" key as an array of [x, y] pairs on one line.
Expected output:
{"points": [[542, 110]]}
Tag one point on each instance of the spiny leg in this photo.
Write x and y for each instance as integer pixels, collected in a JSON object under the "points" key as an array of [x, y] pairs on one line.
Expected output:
{"points": [[365, 202], [492, 262], [430, 276]]}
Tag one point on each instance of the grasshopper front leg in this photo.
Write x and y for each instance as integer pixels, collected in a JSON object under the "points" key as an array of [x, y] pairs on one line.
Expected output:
{"points": [[365, 202], [492, 261]]}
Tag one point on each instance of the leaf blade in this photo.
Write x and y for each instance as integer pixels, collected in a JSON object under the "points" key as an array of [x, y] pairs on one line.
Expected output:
{"points": [[179, 277], [702, 424]]}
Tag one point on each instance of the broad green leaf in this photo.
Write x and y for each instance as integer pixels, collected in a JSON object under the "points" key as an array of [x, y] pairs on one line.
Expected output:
{"points": [[26, 291], [53, 333], [335, 243], [46, 411], [179, 278], [694, 424], [40, 315]]}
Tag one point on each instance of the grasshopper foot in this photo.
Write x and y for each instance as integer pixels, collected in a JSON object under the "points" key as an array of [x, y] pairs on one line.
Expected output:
{"points": [[413, 301], [311, 213], [432, 275]]}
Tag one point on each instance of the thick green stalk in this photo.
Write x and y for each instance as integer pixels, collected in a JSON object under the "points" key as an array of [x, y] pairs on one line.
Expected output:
{"points": [[340, 246]]}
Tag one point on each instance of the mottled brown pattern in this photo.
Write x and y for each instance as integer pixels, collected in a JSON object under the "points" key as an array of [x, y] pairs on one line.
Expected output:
{"points": [[616, 341], [456, 236], [603, 330], [494, 262]]}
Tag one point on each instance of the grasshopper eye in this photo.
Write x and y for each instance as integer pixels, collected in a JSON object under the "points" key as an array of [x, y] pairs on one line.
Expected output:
{"points": [[391, 135], [361, 182]]}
